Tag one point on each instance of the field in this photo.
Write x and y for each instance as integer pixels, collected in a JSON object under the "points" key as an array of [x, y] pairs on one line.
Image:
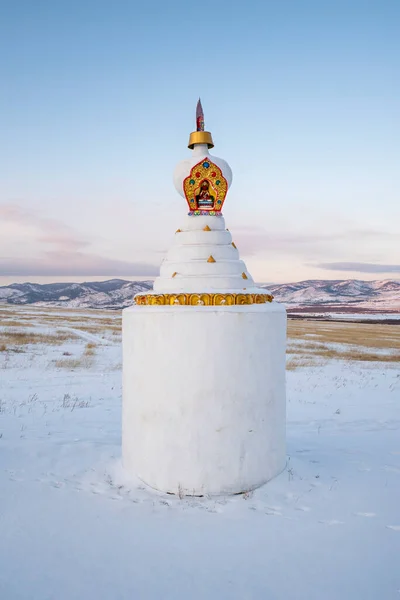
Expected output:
{"points": [[73, 526]]}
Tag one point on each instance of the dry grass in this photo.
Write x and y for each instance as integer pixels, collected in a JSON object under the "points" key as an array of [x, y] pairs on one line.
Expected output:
{"points": [[356, 354], [73, 363], [13, 319], [295, 363], [15, 337], [94, 328], [313, 340], [90, 320], [355, 334], [79, 321], [90, 349], [13, 323], [28, 309], [98, 328], [309, 341], [83, 362]]}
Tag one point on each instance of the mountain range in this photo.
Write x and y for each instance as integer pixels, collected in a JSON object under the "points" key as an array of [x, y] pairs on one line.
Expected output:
{"points": [[317, 296]]}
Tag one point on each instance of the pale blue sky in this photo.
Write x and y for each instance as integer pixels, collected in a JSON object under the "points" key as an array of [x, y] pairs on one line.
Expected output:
{"points": [[98, 99]]}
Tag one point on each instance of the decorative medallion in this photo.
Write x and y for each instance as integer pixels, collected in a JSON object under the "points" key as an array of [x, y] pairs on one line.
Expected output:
{"points": [[178, 231], [205, 188], [244, 276], [206, 228], [201, 299]]}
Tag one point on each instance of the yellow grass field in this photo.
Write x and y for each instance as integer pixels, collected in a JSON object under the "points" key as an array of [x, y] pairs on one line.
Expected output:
{"points": [[309, 342]]}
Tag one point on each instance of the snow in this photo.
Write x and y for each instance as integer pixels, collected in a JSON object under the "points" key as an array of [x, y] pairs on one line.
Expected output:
{"points": [[73, 525]]}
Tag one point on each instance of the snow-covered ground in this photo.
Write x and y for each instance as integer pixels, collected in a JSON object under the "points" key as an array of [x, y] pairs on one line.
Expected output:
{"points": [[72, 526]]}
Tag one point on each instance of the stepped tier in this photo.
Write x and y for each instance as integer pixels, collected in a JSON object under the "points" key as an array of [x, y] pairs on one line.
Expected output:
{"points": [[203, 259]]}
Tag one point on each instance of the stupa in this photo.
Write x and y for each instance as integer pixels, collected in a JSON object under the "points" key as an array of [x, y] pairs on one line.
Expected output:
{"points": [[204, 405]]}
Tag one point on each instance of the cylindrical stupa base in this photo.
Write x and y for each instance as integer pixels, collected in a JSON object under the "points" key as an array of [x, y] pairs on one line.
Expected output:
{"points": [[204, 405]]}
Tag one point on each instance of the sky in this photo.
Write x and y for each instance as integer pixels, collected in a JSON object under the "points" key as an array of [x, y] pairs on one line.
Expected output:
{"points": [[98, 100]]}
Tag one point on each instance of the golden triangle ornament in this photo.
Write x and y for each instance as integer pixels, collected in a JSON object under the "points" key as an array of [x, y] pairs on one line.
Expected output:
{"points": [[210, 259]]}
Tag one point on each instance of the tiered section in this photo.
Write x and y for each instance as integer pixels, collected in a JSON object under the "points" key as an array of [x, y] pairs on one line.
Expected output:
{"points": [[204, 262], [203, 259]]}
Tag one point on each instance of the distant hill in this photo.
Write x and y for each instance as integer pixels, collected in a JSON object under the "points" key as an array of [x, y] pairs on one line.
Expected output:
{"points": [[351, 295], [115, 293], [341, 295]]}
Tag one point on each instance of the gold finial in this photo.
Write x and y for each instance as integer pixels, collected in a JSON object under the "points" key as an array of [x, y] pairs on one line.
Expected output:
{"points": [[244, 276], [206, 228], [173, 275], [200, 136], [210, 259], [233, 244]]}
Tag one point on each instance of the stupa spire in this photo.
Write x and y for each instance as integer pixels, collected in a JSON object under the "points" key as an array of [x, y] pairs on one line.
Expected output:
{"points": [[199, 116], [200, 136]]}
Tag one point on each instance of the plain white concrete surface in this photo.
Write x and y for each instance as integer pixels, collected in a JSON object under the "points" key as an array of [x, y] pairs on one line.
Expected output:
{"points": [[204, 396]]}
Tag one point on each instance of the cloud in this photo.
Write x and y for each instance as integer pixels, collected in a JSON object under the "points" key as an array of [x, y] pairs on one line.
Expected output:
{"points": [[359, 267], [48, 231], [252, 240], [61, 250], [55, 264]]}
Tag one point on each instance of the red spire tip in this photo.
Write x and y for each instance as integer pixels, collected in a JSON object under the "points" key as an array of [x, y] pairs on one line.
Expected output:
{"points": [[199, 116]]}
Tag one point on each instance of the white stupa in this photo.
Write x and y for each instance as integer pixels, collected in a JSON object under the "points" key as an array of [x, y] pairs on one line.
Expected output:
{"points": [[204, 354]]}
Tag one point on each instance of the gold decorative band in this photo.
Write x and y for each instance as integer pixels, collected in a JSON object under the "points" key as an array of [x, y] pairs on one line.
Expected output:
{"points": [[201, 299]]}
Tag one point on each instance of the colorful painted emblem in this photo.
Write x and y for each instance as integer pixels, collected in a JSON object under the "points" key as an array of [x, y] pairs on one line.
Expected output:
{"points": [[205, 188]]}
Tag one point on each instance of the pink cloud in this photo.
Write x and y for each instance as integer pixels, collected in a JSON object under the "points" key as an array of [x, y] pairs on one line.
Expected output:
{"points": [[65, 256], [254, 240], [49, 231]]}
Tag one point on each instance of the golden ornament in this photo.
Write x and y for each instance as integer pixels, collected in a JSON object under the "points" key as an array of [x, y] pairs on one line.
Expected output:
{"points": [[210, 259], [200, 137], [218, 185], [201, 299]]}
